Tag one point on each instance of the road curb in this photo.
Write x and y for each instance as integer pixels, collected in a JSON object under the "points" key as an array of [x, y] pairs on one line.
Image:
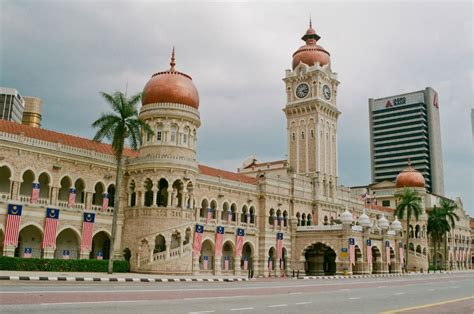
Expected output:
{"points": [[369, 276], [119, 279]]}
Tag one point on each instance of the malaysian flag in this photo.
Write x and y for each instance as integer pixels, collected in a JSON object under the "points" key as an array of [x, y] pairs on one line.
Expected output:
{"points": [[100, 255], [363, 197], [87, 230], [387, 251], [28, 252], [66, 254], [248, 218], [105, 202], [50, 227], [246, 263], [369, 251], [400, 252], [72, 197], [205, 262], [209, 215], [198, 240], [279, 245], [226, 262], [219, 240], [240, 242], [352, 251], [229, 216], [12, 225], [35, 193]]}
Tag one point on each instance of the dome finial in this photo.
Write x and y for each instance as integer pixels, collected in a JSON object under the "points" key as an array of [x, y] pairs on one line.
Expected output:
{"points": [[310, 23], [172, 63]]}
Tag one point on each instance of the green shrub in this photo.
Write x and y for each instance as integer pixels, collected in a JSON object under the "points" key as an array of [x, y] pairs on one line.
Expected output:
{"points": [[81, 265]]}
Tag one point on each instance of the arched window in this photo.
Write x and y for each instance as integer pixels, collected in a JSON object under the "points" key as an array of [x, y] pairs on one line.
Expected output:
{"points": [[5, 183], [285, 218], [186, 136], [174, 131], [98, 195], [303, 220], [133, 194], [159, 133], [308, 221], [298, 219], [271, 217], [293, 136], [148, 192], [302, 135]]}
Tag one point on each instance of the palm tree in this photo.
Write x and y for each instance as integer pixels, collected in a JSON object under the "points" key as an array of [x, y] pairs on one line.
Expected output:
{"points": [[409, 200], [437, 227], [118, 126], [449, 207]]}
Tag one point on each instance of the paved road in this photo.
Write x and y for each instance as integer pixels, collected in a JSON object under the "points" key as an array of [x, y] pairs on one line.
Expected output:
{"points": [[445, 293]]}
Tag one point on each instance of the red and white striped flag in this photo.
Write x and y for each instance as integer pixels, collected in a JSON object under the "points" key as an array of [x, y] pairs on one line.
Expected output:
{"points": [[50, 227], [198, 240], [35, 193], [209, 215], [28, 252], [205, 262], [239, 242], [72, 197], [387, 252], [219, 241], [352, 251], [279, 245], [12, 228], [369, 251], [400, 252], [105, 202], [87, 231], [226, 262], [270, 264]]}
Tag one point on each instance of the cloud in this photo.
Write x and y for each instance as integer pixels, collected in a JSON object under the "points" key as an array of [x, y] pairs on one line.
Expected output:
{"points": [[67, 52]]}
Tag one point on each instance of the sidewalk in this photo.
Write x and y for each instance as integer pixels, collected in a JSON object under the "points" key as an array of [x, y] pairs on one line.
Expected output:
{"points": [[384, 275], [115, 277]]}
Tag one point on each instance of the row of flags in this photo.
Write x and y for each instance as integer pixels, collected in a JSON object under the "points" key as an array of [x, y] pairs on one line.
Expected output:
{"points": [[12, 229], [369, 251], [229, 216], [72, 197]]}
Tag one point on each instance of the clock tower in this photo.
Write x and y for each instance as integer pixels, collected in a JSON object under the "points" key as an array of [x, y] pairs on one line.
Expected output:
{"points": [[312, 113]]}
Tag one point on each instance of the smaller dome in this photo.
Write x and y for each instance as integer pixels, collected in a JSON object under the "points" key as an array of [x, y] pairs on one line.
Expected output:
{"points": [[171, 87], [410, 178], [396, 224], [346, 217], [310, 53], [383, 222], [364, 220]]}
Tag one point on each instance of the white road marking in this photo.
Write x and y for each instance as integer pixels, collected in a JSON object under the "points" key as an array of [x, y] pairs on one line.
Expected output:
{"points": [[431, 289], [296, 292], [95, 302], [201, 312], [302, 303], [399, 293], [278, 305], [454, 287], [242, 309], [354, 298]]}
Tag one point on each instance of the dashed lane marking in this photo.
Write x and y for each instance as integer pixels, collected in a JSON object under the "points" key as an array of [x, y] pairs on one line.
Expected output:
{"points": [[354, 298], [242, 309], [296, 292], [303, 303], [399, 293], [278, 305]]}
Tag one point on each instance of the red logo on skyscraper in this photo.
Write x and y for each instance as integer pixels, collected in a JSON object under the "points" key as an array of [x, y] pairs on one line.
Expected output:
{"points": [[435, 101], [388, 104]]}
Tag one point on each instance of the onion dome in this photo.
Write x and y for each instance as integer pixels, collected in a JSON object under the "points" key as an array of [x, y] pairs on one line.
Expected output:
{"points": [[364, 220], [396, 224], [410, 177], [383, 222], [171, 87], [311, 53], [346, 217]]}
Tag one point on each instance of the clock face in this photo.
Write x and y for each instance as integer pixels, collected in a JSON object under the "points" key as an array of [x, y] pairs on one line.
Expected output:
{"points": [[326, 92], [302, 90]]}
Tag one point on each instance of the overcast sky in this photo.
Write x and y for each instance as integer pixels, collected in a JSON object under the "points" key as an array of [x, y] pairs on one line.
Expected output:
{"points": [[67, 52]]}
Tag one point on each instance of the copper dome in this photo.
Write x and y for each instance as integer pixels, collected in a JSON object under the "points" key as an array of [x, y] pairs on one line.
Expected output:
{"points": [[410, 177], [171, 87], [311, 53]]}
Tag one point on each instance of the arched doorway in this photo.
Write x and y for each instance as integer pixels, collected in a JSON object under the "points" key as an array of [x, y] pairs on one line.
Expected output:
{"points": [[160, 244], [227, 253], [206, 260], [100, 246], [376, 260], [247, 255], [30, 238], [359, 261], [5, 183], [320, 260], [271, 260], [393, 262], [67, 242]]}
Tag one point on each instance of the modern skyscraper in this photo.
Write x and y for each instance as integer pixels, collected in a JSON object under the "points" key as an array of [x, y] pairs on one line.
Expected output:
{"points": [[11, 105], [406, 127]]}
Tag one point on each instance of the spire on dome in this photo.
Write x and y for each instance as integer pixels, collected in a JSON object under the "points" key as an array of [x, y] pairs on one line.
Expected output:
{"points": [[310, 37], [172, 63], [310, 24]]}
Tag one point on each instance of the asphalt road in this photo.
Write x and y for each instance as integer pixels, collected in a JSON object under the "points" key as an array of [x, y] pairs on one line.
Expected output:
{"points": [[444, 293]]}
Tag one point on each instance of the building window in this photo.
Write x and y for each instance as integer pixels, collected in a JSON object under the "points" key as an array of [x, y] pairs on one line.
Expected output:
{"points": [[173, 136], [302, 135], [386, 203], [185, 138], [148, 136], [293, 136], [312, 134], [158, 136]]}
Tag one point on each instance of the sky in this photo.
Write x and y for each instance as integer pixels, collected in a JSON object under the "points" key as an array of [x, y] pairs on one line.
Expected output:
{"points": [[67, 52]]}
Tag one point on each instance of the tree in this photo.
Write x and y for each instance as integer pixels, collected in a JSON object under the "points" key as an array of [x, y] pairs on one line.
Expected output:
{"points": [[119, 126], [437, 227], [449, 207], [409, 201]]}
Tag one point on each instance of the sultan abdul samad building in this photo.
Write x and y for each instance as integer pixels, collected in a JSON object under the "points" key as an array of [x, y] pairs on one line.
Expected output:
{"points": [[167, 195]]}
